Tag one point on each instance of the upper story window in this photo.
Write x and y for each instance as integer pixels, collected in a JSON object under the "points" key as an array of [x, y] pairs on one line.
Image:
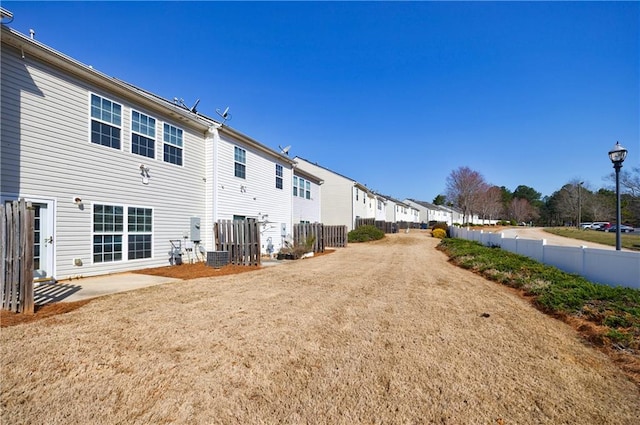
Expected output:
{"points": [[172, 144], [278, 176], [307, 191], [106, 122], [379, 204], [301, 187], [240, 162], [357, 194], [143, 134]]}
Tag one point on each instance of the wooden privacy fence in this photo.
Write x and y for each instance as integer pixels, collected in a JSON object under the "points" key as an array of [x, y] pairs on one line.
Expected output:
{"points": [[309, 233], [16, 251], [241, 239], [335, 236], [323, 236]]}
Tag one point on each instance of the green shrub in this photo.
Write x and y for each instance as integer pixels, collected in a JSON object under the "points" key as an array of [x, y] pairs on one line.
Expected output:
{"points": [[554, 291], [365, 234], [439, 233]]}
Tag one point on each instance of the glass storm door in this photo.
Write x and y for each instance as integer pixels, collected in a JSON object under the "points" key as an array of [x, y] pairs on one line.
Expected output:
{"points": [[42, 242]]}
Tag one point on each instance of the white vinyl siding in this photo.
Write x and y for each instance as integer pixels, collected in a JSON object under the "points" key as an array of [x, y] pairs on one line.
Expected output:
{"points": [[336, 192]]}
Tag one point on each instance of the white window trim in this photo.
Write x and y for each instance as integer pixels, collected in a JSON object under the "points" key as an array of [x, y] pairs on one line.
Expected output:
{"points": [[160, 156], [122, 112], [155, 139], [125, 232]]}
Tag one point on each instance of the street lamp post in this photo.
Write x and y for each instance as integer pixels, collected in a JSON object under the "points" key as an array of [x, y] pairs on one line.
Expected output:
{"points": [[579, 205], [617, 156]]}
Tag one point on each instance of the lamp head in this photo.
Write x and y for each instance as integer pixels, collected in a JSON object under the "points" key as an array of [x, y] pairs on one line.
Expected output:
{"points": [[617, 154]]}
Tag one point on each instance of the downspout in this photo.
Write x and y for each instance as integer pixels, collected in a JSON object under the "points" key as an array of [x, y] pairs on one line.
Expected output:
{"points": [[213, 141]]}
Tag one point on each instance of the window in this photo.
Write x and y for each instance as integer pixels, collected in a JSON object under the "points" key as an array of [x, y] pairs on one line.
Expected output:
{"points": [[278, 176], [106, 122], [380, 205], [110, 229], [172, 144], [143, 134], [139, 227], [240, 164], [301, 187], [356, 193]]}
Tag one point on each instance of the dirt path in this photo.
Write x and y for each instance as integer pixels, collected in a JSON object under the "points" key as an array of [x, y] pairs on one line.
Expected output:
{"points": [[538, 233], [387, 332]]}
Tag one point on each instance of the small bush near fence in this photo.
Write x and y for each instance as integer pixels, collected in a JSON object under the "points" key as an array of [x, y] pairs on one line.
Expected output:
{"points": [[614, 309], [365, 234], [439, 233]]}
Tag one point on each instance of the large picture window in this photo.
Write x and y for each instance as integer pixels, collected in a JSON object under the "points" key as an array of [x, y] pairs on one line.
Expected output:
{"points": [[111, 227], [143, 134], [173, 144], [106, 122], [240, 162]]}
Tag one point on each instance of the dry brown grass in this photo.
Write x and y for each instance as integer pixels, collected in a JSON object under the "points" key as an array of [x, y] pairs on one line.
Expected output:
{"points": [[386, 332]]}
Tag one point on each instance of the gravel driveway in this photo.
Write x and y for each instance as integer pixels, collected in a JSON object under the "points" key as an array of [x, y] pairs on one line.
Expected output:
{"points": [[386, 332]]}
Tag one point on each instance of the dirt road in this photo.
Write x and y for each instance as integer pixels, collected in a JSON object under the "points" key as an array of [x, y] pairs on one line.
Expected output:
{"points": [[387, 332]]}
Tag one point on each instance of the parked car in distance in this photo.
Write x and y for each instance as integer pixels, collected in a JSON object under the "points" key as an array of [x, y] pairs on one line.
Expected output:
{"points": [[586, 225], [600, 225], [623, 228]]}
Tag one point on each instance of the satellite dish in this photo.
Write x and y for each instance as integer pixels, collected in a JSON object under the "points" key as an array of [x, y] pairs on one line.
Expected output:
{"points": [[285, 150], [225, 115], [193, 108]]}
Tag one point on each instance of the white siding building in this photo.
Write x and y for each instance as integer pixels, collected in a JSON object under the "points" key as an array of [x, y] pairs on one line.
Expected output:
{"points": [[113, 172], [249, 180], [116, 173], [307, 197], [343, 199]]}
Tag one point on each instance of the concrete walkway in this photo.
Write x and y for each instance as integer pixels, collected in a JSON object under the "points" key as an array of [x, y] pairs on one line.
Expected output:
{"points": [[91, 287]]}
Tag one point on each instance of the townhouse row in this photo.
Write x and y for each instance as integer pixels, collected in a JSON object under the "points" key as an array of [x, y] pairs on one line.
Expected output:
{"points": [[117, 174]]}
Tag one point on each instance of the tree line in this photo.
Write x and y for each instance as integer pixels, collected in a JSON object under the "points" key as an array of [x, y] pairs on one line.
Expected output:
{"points": [[575, 202]]}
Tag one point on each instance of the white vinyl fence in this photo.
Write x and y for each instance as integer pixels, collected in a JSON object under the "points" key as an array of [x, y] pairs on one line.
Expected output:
{"points": [[609, 267]]}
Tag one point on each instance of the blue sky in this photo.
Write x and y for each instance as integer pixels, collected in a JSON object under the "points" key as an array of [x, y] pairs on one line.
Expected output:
{"points": [[395, 95]]}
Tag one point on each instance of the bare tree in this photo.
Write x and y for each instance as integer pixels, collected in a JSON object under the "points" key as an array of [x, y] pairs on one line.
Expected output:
{"points": [[629, 180], [521, 210], [464, 188], [490, 205], [568, 201]]}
